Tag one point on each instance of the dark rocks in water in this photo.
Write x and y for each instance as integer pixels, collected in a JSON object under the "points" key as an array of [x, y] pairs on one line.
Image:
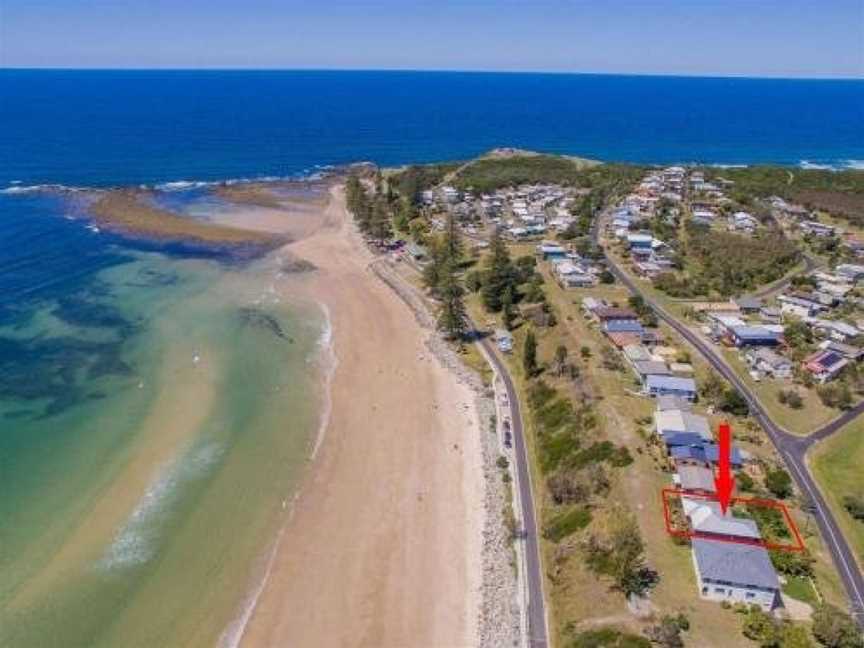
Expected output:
{"points": [[259, 319], [297, 266]]}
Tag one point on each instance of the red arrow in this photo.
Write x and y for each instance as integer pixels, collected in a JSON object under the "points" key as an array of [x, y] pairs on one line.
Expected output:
{"points": [[724, 482]]}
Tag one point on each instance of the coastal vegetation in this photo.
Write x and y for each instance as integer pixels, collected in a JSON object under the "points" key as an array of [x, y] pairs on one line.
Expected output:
{"points": [[724, 264], [841, 193]]}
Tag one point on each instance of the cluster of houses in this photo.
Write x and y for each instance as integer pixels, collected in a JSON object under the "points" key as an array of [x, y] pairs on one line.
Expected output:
{"points": [[801, 218], [642, 349], [758, 328], [730, 561], [522, 212], [570, 269]]}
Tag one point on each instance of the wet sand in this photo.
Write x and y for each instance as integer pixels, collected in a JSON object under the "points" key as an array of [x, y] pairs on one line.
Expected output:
{"points": [[383, 547]]}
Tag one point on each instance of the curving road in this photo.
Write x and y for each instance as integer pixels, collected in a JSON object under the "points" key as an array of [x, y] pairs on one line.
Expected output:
{"points": [[792, 448]]}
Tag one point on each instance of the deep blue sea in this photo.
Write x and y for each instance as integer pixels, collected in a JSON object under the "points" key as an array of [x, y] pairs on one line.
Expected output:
{"points": [[120, 127]]}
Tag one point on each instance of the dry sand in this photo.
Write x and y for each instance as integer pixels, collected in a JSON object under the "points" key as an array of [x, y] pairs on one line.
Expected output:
{"points": [[384, 544]]}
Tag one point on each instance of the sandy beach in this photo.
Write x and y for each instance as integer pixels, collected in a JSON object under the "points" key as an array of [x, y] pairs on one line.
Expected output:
{"points": [[384, 544]]}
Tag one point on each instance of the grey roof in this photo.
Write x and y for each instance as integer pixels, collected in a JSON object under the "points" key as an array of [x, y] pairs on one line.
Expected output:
{"points": [[696, 478], [670, 402], [732, 562], [748, 302], [672, 383], [651, 368]]}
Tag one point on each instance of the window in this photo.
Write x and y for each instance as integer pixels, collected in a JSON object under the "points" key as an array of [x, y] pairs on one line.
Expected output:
{"points": [[751, 595], [719, 590]]}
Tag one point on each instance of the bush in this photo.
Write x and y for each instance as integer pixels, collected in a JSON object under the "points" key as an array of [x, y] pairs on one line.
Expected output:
{"points": [[608, 638], [745, 482], [779, 483], [836, 629], [734, 403], [854, 504], [567, 523], [790, 398]]}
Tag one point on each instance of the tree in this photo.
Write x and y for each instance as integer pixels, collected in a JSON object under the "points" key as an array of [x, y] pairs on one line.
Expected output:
{"points": [[560, 360], [500, 274], [734, 403], [779, 483], [380, 224], [452, 243], [358, 202], [529, 354], [433, 270], [452, 319], [762, 628], [508, 313], [836, 629]]}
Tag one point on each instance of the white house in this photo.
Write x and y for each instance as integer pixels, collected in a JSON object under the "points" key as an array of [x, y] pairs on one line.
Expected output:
{"points": [[735, 572]]}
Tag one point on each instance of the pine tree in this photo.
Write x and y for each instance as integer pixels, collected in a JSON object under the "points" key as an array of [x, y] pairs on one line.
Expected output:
{"points": [[452, 319], [529, 354], [380, 225], [508, 313], [500, 274], [453, 247]]}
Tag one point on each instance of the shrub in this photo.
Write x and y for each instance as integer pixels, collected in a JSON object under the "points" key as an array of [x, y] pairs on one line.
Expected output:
{"points": [[608, 638], [854, 504], [836, 629], [567, 523], [779, 483]]}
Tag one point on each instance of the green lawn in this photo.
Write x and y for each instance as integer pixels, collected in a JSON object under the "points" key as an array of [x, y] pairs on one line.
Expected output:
{"points": [[837, 466], [800, 588]]}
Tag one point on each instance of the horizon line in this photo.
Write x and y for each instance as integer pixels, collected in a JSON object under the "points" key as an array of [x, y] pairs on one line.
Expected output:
{"points": [[679, 75]]}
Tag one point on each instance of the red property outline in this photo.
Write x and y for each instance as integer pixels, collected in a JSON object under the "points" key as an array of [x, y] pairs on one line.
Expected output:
{"points": [[768, 503]]}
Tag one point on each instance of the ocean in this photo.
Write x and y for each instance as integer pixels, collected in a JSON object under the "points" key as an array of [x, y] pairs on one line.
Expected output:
{"points": [[158, 402]]}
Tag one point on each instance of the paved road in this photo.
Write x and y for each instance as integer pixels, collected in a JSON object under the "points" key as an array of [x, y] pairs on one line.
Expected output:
{"points": [[792, 448], [810, 264], [537, 636]]}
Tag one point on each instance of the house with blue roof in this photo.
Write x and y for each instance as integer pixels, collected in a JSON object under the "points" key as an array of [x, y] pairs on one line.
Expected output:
{"points": [[622, 326], [748, 336]]}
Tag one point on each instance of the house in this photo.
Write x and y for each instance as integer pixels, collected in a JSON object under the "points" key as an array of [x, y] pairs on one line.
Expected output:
{"points": [[693, 455], [770, 315], [798, 306], [637, 242], [850, 271], [570, 275], [672, 403], [622, 326], [743, 336], [696, 479], [824, 365], [846, 350], [671, 386], [636, 353], [549, 251], [769, 362], [735, 572], [681, 368], [834, 329], [707, 521], [748, 304], [672, 421], [818, 229], [645, 368]]}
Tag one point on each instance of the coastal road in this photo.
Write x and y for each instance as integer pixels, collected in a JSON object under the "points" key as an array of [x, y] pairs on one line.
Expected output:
{"points": [[537, 631], [792, 448]]}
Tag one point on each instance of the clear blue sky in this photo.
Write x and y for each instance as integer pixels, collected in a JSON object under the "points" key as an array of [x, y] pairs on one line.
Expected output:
{"points": [[809, 38]]}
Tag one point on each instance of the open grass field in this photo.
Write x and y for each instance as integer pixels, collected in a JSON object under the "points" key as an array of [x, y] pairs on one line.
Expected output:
{"points": [[838, 466]]}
